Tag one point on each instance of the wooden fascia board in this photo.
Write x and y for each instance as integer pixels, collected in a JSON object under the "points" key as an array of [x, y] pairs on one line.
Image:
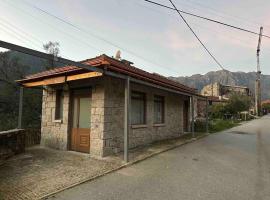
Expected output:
{"points": [[62, 79], [83, 76]]}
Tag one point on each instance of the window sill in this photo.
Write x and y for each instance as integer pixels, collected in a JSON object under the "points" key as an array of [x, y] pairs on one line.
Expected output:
{"points": [[158, 125], [58, 121], [139, 126]]}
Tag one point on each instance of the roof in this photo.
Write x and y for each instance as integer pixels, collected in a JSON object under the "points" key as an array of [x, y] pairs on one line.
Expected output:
{"points": [[267, 101], [110, 64], [236, 86], [215, 99]]}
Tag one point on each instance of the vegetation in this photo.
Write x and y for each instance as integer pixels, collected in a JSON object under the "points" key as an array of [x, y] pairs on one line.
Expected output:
{"points": [[53, 49], [215, 125], [225, 115], [12, 69], [266, 108], [1, 196], [237, 103], [15, 66], [218, 125]]}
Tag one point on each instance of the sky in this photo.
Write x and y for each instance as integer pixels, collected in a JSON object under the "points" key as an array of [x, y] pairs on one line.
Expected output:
{"points": [[153, 38]]}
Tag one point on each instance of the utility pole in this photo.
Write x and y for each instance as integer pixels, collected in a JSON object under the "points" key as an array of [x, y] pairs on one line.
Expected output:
{"points": [[258, 78]]}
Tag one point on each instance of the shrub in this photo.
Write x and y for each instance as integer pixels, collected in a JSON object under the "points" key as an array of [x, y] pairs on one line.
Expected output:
{"points": [[220, 125], [200, 126]]}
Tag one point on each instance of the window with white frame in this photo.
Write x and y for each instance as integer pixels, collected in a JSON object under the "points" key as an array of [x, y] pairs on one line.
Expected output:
{"points": [[138, 108], [159, 104]]}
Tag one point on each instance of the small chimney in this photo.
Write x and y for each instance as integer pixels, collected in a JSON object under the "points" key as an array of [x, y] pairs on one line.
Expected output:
{"points": [[118, 55]]}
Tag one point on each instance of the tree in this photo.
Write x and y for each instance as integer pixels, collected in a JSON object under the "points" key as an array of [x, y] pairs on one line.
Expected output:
{"points": [[266, 108], [218, 110], [53, 49], [238, 103], [11, 69]]}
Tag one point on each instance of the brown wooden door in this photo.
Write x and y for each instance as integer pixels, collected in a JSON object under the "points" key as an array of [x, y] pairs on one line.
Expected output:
{"points": [[185, 115], [80, 137]]}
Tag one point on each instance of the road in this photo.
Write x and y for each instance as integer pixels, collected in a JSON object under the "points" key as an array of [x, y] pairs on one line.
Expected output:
{"points": [[232, 165]]}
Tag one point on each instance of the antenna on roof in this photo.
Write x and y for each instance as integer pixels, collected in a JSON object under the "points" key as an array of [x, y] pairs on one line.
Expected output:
{"points": [[118, 55]]}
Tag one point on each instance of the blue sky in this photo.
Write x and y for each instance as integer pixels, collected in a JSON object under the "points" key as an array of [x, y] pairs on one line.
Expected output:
{"points": [[160, 40]]}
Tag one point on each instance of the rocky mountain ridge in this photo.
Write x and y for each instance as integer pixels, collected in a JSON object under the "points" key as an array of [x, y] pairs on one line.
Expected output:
{"points": [[227, 78]]}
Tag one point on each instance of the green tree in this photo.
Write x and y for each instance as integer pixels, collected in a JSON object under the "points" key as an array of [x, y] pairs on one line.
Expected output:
{"points": [[218, 110], [238, 103], [266, 108], [11, 69]]}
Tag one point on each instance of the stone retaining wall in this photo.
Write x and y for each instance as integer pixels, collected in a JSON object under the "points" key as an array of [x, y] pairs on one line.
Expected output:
{"points": [[11, 142]]}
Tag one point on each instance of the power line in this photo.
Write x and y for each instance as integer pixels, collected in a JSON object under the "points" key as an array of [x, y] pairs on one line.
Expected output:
{"points": [[53, 27], [19, 36], [95, 36], [224, 14], [13, 34], [205, 18], [213, 11], [197, 37], [207, 29], [38, 42]]}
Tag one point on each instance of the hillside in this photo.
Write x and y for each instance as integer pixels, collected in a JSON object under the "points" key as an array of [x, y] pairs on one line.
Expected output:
{"points": [[33, 64], [228, 78]]}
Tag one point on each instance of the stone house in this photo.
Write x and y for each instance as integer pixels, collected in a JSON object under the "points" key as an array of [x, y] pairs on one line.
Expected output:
{"points": [[85, 111], [223, 91]]}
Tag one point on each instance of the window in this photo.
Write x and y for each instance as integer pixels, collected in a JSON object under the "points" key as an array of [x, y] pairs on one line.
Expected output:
{"points": [[158, 109], [138, 108], [59, 104]]}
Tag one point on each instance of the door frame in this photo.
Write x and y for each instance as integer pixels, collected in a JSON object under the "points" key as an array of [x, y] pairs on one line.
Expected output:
{"points": [[80, 91]]}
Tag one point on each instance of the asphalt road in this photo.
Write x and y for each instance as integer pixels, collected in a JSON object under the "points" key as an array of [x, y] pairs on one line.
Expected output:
{"points": [[233, 165]]}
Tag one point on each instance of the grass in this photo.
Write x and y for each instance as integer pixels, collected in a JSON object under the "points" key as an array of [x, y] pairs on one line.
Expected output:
{"points": [[1, 196], [218, 125], [215, 125]]}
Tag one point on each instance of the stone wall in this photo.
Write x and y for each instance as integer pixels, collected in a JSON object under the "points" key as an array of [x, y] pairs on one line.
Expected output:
{"points": [[211, 90], [107, 118], [97, 120], [223, 91], [11, 142], [139, 135], [54, 133]]}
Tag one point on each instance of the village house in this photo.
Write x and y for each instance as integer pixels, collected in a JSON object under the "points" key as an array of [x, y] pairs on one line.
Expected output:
{"points": [[224, 91], [84, 111]]}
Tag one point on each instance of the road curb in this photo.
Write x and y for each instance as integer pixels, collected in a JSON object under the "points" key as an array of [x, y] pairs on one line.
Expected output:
{"points": [[124, 166]]}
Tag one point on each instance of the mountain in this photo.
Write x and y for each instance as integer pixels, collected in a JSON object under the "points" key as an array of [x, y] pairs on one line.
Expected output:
{"points": [[198, 81], [228, 78], [34, 64]]}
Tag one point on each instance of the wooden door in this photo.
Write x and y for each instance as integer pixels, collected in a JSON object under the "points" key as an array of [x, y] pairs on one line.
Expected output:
{"points": [[80, 137], [185, 115]]}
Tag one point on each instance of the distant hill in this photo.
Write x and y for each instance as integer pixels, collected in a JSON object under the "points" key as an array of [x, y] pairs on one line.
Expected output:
{"points": [[228, 78], [34, 64], [198, 81]]}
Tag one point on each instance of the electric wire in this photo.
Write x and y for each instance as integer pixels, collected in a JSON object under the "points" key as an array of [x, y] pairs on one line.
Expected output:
{"points": [[97, 36], [53, 27], [206, 18], [218, 63], [19, 36]]}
